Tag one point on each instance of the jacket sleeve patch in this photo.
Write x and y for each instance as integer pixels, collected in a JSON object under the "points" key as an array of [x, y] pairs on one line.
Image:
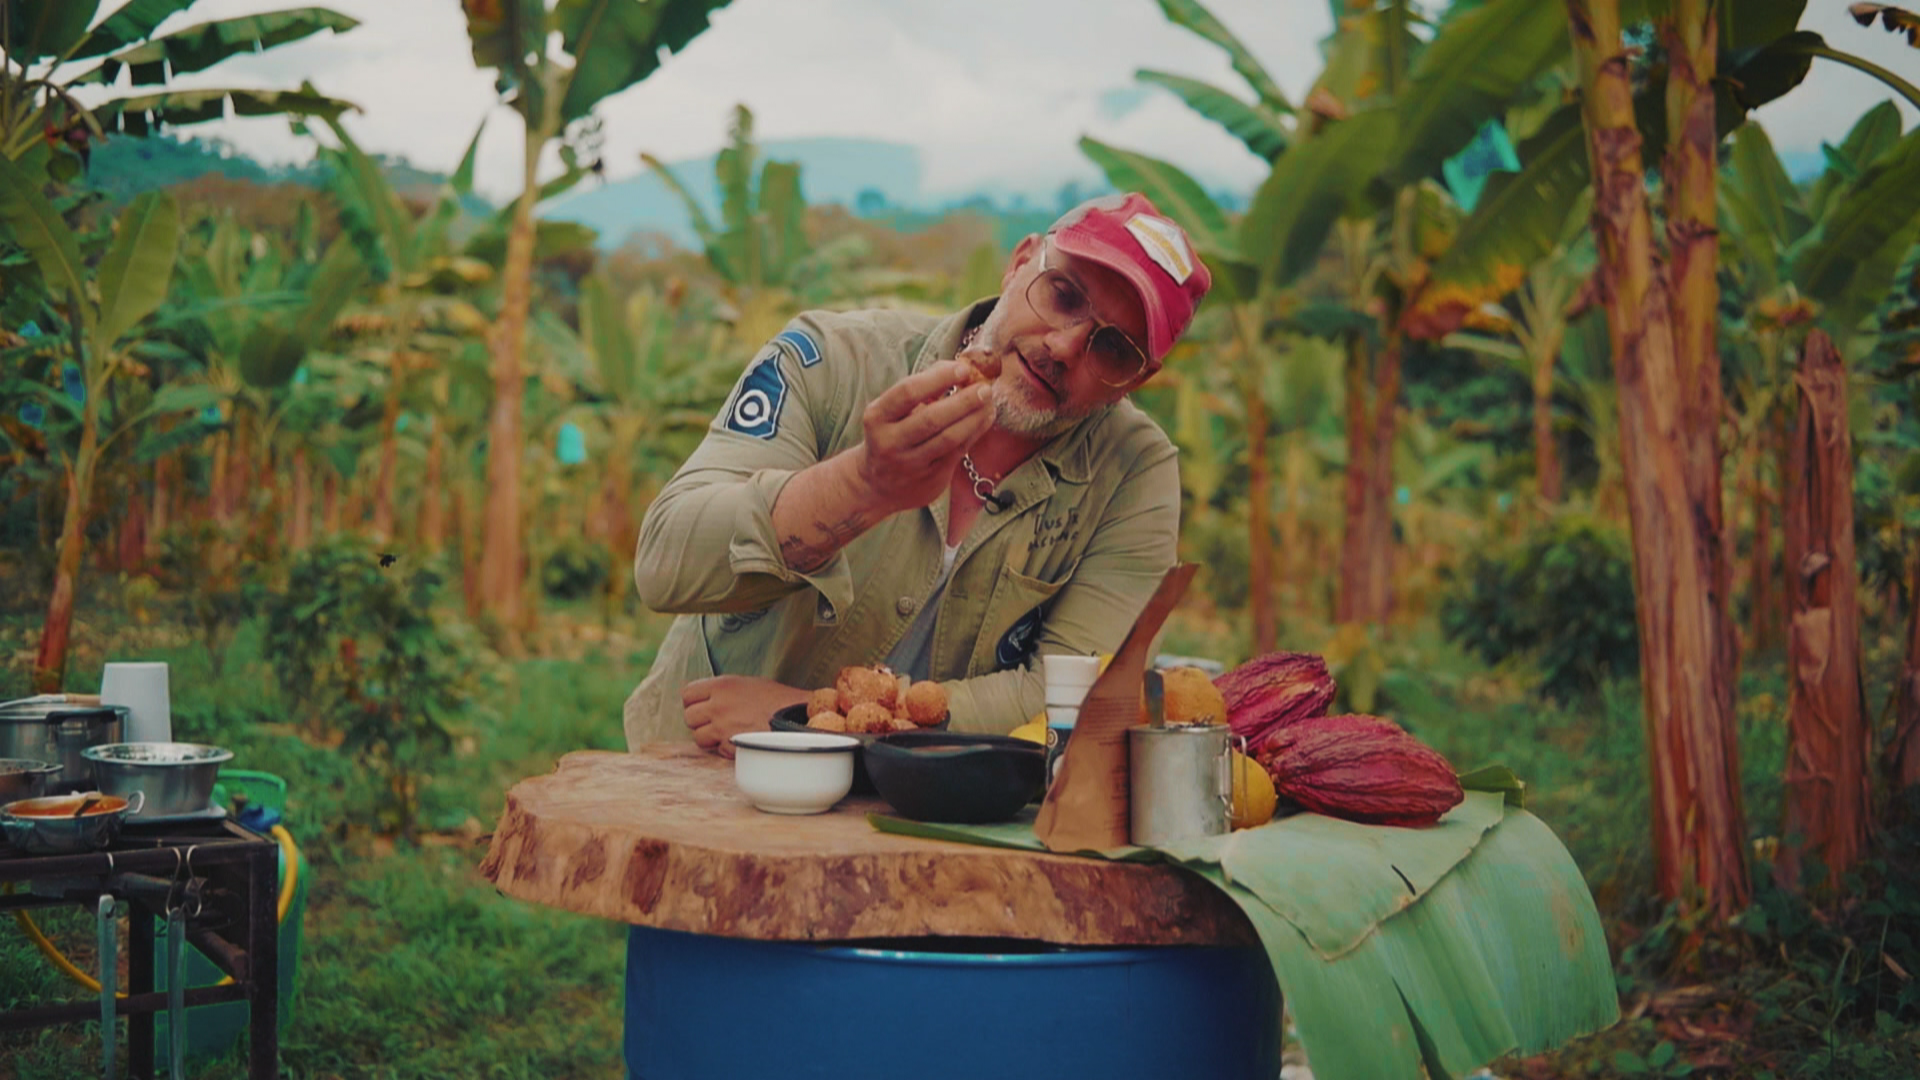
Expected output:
{"points": [[756, 405], [1016, 646], [802, 345]]}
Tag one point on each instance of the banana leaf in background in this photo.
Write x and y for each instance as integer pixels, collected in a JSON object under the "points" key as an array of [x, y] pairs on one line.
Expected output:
{"points": [[1443, 947]]}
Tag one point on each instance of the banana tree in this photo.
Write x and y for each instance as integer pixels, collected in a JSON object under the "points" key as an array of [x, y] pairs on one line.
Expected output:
{"points": [[130, 281], [418, 312], [49, 44], [759, 245], [555, 64], [1545, 307]]}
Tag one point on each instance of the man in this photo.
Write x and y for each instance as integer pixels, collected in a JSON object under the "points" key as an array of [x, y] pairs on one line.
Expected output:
{"points": [[862, 499]]}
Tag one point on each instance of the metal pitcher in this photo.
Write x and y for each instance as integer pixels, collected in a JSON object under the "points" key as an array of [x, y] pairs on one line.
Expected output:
{"points": [[1181, 776]]}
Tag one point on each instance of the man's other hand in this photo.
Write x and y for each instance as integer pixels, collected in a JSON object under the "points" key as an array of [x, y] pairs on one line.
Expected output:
{"points": [[916, 432], [726, 705]]}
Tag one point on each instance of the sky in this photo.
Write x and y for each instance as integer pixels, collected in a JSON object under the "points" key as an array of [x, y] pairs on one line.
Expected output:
{"points": [[992, 92]]}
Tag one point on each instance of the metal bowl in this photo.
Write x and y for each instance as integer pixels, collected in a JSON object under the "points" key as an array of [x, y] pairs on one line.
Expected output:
{"points": [[49, 827], [25, 778], [177, 778]]}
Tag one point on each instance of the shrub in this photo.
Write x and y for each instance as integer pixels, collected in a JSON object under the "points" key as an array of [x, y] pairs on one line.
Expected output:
{"points": [[1562, 598], [574, 569], [360, 648]]}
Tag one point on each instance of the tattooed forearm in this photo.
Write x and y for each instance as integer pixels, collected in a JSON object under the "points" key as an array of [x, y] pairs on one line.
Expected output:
{"points": [[811, 549]]}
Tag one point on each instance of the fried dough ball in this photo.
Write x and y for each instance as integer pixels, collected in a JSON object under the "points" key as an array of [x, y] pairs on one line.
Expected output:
{"points": [[870, 718], [926, 703], [901, 723], [824, 700], [981, 367], [860, 685], [1192, 698], [828, 721]]}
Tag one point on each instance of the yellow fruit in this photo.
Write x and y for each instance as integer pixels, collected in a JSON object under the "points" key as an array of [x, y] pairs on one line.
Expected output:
{"points": [[1253, 796], [1192, 698], [1034, 730]]}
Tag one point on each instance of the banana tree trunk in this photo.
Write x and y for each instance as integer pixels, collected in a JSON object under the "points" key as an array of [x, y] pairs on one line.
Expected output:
{"points": [[300, 523], [433, 525], [1698, 818], [1760, 558], [500, 566], [1246, 319], [1903, 752], [1378, 589], [330, 511], [1827, 796], [158, 521], [132, 538], [50, 661], [217, 479], [1546, 449], [1693, 252], [389, 449], [1349, 606], [468, 529]]}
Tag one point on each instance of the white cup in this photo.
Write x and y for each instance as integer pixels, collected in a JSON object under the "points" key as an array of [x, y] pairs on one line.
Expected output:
{"points": [[1068, 678], [142, 688]]}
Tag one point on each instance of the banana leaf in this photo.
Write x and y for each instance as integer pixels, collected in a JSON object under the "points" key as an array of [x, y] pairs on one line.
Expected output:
{"points": [[1177, 195], [1478, 62], [42, 29], [1399, 949], [1259, 127], [1192, 15], [197, 48], [133, 277], [1851, 256]]}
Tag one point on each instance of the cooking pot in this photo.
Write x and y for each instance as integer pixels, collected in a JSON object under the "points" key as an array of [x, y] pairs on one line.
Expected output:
{"points": [[57, 733], [22, 779]]}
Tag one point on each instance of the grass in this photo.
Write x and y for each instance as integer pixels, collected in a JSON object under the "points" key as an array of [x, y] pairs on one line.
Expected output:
{"points": [[413, 966]]}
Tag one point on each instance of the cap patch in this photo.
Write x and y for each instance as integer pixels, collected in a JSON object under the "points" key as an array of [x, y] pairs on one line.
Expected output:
{"points": [[1162, 242]]}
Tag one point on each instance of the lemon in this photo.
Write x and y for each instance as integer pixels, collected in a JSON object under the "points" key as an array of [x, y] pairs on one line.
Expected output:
{"points": [[1034, 730], [1253, 796]]}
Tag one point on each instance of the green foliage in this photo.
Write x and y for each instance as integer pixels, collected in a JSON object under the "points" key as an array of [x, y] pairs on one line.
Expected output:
{"points": [[759, 240], [574, 569], [1562, 597], [361, 648]]}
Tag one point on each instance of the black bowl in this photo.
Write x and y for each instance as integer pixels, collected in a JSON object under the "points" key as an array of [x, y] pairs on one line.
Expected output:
{"points": [[960, 779]]}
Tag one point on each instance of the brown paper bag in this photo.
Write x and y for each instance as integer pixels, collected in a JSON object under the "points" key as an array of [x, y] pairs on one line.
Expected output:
{"points": [[1087, 808]]}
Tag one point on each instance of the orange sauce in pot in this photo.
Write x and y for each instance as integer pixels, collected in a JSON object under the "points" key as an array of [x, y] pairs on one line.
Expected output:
{"points": [[59, 808]]}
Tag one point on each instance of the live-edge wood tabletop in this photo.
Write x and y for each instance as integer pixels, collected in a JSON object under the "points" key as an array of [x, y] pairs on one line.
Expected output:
{"points": [[661, 837]]}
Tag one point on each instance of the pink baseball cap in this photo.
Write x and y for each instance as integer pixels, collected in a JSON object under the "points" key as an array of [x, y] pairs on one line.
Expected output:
{"points": [[1129, 235]]}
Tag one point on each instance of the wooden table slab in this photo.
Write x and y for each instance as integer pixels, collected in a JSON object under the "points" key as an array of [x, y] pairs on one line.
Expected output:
{"points": [[662, 838]]}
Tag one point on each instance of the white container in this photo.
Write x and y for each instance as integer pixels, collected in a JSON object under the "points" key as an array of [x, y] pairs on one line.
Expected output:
{"points": [[142, 688], [793, 772], [1069, 678]]}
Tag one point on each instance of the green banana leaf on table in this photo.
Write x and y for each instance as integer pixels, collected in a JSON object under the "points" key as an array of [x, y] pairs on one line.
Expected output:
{"points": [[1442, 947]]}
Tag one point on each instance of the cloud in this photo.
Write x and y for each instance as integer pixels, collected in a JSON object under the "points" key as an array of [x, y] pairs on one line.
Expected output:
{"points": [[994, 91]]}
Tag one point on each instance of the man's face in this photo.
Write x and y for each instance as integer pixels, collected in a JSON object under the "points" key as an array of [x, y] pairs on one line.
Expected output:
{"points": [[1047, 382]]}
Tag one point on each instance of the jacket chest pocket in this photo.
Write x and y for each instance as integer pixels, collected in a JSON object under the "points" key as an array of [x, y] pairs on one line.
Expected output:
{"points": [[1016, 615]]}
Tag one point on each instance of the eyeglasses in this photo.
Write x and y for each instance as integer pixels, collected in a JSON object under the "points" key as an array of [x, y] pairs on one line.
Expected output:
{"points": [[1063, 304]]}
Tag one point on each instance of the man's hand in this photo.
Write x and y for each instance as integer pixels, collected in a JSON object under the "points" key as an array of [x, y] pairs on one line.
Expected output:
{"points": [[916, 432], [726, 705]]}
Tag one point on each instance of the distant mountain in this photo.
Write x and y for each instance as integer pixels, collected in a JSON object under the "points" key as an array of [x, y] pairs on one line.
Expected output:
{"points": [[881, 180], [852, 172]]}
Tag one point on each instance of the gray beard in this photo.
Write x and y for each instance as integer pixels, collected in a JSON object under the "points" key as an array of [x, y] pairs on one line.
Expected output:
{"points": [[1011, 412]]}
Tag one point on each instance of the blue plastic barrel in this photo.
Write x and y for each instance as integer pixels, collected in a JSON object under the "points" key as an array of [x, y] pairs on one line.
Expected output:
{"points": [[712, 1008]]}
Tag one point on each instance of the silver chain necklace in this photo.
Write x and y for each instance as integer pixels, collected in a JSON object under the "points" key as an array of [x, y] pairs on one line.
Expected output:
{"points": [[982, 487]]}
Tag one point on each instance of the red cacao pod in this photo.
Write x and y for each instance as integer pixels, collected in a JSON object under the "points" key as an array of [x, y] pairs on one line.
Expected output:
{"points": [[1360, 768], [1271, 691]]}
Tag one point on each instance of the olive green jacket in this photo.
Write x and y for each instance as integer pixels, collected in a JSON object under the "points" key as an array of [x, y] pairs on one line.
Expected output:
{"points": [[1064, 569]]}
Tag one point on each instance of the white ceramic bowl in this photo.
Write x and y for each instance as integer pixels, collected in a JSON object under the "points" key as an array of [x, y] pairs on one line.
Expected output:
{"points": [[793, 772]]}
